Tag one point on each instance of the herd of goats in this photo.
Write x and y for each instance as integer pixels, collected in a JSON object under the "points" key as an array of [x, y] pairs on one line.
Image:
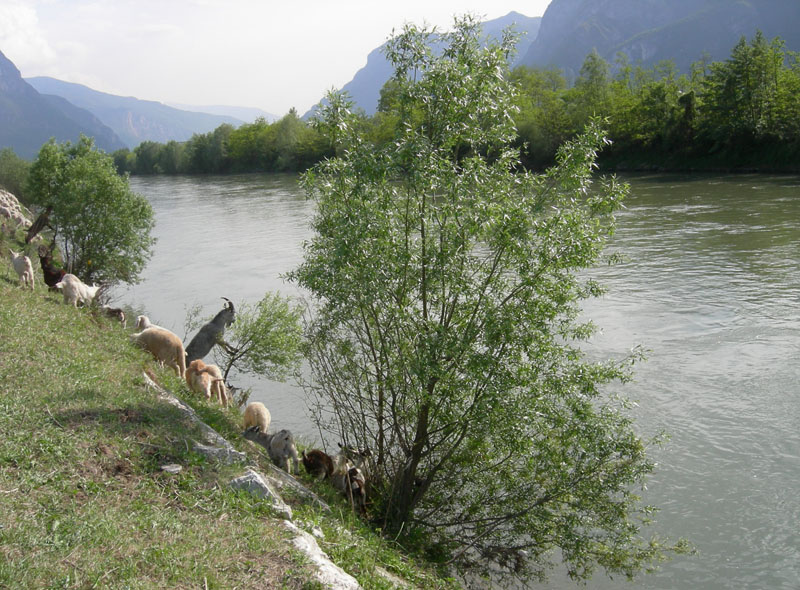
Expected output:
{"points": [[346, 470]]}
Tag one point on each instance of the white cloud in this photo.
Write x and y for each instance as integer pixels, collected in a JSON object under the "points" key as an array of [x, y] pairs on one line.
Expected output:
{"points": [[21, 38]]}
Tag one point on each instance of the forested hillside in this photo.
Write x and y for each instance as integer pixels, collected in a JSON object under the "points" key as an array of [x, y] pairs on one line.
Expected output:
{"points": [[650, 31]]}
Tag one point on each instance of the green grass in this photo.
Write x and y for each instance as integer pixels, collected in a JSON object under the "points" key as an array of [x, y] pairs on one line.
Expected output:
{"points": [[83, 500]]}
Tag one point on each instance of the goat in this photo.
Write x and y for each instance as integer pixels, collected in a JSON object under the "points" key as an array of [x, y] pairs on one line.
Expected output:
{"points": [[165, 347], [207, 379], [75, 290], [318, 463], [358, 457], [23, 267], [114, 312], [211, 333], [52, 274], [280, 447], [349, 479], [257, 414]]}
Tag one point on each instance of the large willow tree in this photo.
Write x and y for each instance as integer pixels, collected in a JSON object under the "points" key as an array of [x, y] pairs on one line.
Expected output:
{"points": [[445, 333]]}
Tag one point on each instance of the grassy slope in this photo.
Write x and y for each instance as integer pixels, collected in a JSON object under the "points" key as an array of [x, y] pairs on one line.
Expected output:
{"points": [[83, 501]]}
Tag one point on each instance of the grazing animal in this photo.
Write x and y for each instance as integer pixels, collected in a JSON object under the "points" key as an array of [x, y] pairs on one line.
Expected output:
{"points": [[143, 322], [52, 273], [349, 479], [318, 463], [211, 333], [358, 457], [280, 447], [114, 312], [207, 379], [165, 347], [23, 267], [75, 290], [257, 414]]}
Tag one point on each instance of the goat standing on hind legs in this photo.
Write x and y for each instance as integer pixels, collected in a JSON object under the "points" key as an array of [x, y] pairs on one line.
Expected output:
{"points": [[211, 333]]}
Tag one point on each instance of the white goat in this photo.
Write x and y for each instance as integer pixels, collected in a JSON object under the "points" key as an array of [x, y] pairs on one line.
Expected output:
{"points": [[75, 290], [349, 479], [257, 414], [165, 347], [207, 379], [280, 447], [23, 267]]}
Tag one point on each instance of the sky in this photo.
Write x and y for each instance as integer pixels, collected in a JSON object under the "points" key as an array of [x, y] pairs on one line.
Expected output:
{"points": [[272, 55]]}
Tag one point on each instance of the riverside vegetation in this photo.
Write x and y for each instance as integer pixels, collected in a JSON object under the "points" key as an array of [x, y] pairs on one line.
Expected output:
{"points": [[83, 500], [741, 113], [444, 333]]}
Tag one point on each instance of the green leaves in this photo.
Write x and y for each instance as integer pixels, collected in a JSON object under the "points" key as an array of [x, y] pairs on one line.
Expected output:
{"points": [[103, 227], [446, 290]]}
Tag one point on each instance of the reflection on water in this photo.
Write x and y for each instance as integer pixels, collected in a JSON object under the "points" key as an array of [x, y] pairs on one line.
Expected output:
{"points": [[709, 287]]}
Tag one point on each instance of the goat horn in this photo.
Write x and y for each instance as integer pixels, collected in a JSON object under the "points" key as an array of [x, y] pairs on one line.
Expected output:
{"points": [[229, 304]]}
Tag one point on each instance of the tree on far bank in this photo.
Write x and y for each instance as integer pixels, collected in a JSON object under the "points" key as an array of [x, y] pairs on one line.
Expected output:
{"points": [[103, 228], [446, 336]]}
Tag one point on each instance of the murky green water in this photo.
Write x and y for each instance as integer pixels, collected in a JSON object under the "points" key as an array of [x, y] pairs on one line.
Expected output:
{"points": [[711, 288]]}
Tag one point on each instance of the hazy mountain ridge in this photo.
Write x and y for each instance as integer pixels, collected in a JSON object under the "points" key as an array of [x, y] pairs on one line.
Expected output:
{"points": [[29, 119], [365, 87], [132, 119], [649, 31]]}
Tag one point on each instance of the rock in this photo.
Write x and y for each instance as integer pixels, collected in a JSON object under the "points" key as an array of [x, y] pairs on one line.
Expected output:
{"points": [[327, 573], [255, 483], [172, 468]]}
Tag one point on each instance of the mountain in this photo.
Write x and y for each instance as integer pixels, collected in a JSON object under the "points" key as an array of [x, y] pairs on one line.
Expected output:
{"points": [[134, 120], [365, 87], [29, 119], [244, 114], [648, 31]]}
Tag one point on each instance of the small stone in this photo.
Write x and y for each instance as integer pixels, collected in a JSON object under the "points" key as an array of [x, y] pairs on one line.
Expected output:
{"points": [[172, 468]]}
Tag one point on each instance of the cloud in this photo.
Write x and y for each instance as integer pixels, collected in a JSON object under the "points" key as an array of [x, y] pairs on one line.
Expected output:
{"points": [[22, 39]]}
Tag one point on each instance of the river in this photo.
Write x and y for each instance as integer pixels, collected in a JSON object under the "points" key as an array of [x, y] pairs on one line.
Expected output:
{"points": [[709, 287]]}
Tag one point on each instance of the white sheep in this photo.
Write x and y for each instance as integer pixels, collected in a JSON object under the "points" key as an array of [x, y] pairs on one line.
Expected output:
{"points": [[23, 267], [165, 347], [207, 379], [280, 447], [257, 414], [75, 290]]}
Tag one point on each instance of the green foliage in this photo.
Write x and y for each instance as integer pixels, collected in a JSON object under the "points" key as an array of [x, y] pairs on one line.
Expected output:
{"points": [[265, 339], [445, 334], [13, 174], [103, 228]]}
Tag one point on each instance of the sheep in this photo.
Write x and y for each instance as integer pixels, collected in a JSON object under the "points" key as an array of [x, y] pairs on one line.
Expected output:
{"points": [[165, 347], [23, 267], [207, 379], [257, 414], [52, 274], [143, 322], [75, 290], [211, 333], [280, 447], [318, 463]]}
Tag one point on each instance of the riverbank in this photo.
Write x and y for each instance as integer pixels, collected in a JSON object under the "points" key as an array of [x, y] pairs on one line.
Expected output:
{"points": [[86, 501]]}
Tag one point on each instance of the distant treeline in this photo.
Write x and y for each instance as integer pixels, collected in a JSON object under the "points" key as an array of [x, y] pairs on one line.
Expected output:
{"points": [[743, 112]]}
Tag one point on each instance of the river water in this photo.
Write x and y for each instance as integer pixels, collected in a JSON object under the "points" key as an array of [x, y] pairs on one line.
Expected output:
{"points": [[709, 287]]}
